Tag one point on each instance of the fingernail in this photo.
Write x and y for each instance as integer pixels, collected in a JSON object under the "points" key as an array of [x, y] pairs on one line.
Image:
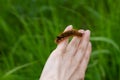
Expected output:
{"points": [[70, 26], [81, 31], [87, 31]]}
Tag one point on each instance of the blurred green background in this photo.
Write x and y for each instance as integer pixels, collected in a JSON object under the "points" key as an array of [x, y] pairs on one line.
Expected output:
{"points": [[28, 29]]}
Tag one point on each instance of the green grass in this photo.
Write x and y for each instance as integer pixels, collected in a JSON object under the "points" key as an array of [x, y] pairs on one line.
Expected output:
{"points": [[28, 29]]}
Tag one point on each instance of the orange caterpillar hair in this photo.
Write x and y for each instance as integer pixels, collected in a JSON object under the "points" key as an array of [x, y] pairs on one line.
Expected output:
{"points": [[67, 34]]}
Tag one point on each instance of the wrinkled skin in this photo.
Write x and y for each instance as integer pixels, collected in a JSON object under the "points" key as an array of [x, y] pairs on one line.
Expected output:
{"points": [[69, 60]]}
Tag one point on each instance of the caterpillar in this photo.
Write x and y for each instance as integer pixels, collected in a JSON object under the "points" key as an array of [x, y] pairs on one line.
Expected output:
{"points": [[67, 34]]}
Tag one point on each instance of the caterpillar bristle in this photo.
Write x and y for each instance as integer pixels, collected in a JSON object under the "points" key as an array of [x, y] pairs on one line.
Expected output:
{"points": [[67, 34]]}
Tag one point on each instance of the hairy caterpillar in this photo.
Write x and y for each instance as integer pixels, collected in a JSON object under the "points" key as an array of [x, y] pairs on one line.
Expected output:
{"points": [[67, 34]]}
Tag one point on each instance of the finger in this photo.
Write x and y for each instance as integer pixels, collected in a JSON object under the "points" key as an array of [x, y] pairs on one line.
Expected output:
{"points": [[80, 71], [74, 43], [62, 44], [84, 62], [83, 45]]}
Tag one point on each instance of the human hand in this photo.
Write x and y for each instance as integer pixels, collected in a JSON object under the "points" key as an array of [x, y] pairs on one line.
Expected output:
{"points": [[69, 60]]}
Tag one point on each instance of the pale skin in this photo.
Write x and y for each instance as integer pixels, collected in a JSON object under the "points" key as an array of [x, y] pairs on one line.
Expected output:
{"points": [[70, 59]]}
